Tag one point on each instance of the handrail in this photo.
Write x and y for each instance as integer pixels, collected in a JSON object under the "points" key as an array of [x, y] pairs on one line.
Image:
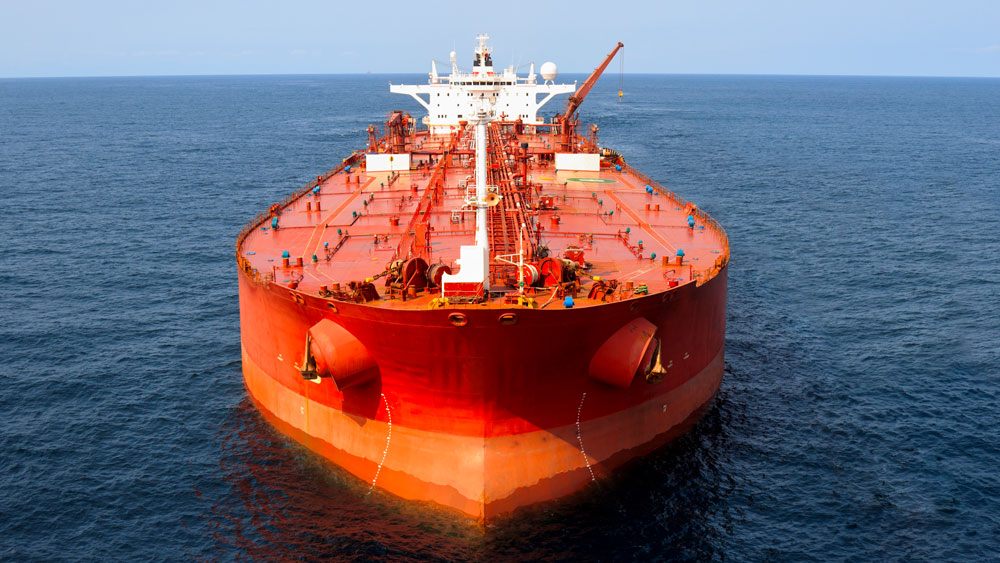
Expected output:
{"points": [[257, 221], [699, 213], [408, 237]]}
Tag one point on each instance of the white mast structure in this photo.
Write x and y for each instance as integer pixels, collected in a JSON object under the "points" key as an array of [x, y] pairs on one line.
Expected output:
{"points": [[473, 279], [481, 188]]}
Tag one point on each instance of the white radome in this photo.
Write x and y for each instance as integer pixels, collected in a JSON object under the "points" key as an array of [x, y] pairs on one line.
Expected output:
{"points": [[549, 71]]}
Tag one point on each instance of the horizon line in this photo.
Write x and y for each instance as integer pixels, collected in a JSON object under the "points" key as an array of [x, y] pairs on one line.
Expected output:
{"points": [[733, 74]]}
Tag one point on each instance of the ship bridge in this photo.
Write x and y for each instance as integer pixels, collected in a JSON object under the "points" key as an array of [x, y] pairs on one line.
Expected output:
{"points": [[453, 99]]}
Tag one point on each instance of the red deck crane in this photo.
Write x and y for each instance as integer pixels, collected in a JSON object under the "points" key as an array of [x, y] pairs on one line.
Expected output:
{"points": [[568, 126]]}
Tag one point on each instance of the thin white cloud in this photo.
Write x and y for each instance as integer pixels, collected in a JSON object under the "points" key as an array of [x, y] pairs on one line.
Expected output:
{"points": [[990, 49]]}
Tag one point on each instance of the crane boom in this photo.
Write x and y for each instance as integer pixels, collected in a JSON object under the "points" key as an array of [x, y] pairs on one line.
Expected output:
{"points": [[577, 98]]}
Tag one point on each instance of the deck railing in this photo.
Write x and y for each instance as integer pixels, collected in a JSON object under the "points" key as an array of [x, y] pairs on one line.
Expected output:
{"points": [[257, 221], [703, 275], [700, 276]]}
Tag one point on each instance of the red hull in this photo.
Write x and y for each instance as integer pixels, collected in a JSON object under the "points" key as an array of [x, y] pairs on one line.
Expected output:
{"points": [[485, 417]]}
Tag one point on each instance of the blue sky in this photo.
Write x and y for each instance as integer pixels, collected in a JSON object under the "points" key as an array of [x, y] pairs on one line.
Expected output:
{"points": [[118, 38]]}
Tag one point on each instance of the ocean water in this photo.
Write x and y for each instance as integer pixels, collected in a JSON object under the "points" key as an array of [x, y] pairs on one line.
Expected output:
{"points": [[858, 417]]}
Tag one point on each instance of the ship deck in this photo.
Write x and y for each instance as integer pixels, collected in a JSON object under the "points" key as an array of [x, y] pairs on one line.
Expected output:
{"points": [[360, 221]]}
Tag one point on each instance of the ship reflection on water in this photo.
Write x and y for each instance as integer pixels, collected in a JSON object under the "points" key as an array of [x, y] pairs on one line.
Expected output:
{"points": [[284, 502]]}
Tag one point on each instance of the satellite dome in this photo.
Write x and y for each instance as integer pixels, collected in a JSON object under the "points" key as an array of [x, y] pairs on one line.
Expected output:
{"points": [[549, 71], [452, 55]]}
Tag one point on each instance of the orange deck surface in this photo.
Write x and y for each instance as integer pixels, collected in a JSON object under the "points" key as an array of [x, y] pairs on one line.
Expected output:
{"points": [[362, 206]]}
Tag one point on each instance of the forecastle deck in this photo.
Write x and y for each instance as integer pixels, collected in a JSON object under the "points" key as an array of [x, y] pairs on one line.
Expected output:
{"points": [[596, 236]]}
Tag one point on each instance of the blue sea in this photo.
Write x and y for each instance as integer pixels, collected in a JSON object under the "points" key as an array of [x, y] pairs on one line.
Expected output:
{"points": [[858, 418]]}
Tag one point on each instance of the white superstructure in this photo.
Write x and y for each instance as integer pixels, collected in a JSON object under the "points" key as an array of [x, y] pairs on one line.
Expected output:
{"points": [[457, 97]]}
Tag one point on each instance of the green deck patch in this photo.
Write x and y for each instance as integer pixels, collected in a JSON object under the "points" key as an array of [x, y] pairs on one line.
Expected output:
{"points": [[592, 180]]}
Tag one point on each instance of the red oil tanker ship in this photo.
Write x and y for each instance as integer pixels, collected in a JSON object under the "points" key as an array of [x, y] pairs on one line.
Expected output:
{"points": [[485, 310]]}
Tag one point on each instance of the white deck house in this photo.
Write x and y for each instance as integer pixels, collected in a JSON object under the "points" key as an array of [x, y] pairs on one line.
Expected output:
{"points": [[449, 100]]}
